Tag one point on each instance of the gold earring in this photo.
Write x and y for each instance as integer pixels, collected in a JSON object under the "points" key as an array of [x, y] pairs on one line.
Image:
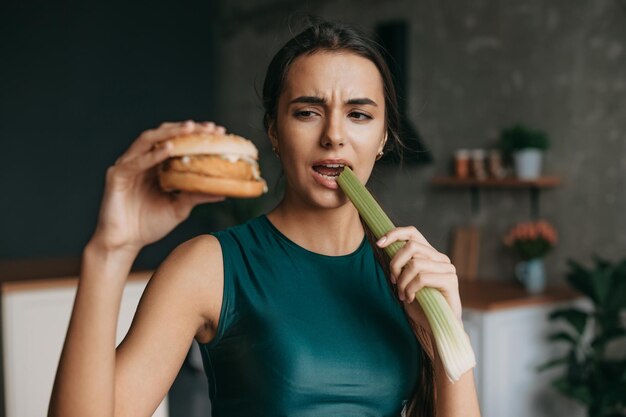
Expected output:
{"points": [[379, 155]]}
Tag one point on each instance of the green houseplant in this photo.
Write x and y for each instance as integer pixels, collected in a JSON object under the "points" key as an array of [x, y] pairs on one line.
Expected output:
{"points": [[526, 146], [594, 366]]}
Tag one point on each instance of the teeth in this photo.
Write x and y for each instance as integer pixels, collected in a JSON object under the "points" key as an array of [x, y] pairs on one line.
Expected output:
{"points": [[333, 165]]}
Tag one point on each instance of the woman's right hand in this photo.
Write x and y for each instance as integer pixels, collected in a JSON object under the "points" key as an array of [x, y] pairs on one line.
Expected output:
{"points": [[135, 211]]}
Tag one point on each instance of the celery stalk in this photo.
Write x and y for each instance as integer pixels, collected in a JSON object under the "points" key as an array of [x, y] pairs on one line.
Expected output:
{"points": [[451, 340]]}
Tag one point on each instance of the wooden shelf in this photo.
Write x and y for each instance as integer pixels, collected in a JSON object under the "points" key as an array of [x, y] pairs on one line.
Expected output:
{"points": [[509, 182], [474, 185], [493, 295]]}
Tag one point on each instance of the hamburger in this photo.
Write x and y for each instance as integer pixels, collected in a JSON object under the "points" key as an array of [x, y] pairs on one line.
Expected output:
{"points": [[212, 163]]}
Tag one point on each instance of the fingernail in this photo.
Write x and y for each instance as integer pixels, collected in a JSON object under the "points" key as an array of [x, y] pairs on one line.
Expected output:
{"points": [[401, 296], [381, 240]]}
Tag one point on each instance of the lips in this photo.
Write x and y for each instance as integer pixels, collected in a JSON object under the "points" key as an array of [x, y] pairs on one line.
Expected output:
{"points": [[326, 171], [329, 170], [335, 164]]}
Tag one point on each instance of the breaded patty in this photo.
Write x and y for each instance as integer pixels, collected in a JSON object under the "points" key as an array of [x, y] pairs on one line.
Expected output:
{"points": [[212, 165]]}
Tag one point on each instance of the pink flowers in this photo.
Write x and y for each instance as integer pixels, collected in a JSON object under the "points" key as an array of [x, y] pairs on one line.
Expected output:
{"points": [[532, 239]]}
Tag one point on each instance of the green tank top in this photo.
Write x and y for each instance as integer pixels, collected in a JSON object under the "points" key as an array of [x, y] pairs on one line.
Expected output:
{"points": [[305, 334]]}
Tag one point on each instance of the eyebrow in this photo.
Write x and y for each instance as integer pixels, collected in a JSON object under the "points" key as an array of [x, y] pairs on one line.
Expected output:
{"points": [[320, 100]]}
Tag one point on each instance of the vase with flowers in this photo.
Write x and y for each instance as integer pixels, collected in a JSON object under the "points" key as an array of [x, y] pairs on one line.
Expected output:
{"points": [[532, 241]]}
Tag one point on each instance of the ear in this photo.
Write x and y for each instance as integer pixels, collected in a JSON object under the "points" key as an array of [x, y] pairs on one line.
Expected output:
{"points": [[384, 141], [271, 133]]}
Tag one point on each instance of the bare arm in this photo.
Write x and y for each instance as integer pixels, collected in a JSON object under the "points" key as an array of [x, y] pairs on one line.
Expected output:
{"points": [[83, 384], [182, 300], [455, 399], [134, 213]]}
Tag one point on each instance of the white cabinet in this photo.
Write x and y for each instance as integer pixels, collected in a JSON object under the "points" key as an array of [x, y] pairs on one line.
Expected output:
{"points": [[510, 343], [35, 316]]}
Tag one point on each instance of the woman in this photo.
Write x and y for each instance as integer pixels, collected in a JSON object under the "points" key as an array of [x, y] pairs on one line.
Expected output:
{"points": [[293, 313]]}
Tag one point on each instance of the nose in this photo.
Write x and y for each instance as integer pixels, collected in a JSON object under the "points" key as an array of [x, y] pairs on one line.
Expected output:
{"points": [[334, 134]]}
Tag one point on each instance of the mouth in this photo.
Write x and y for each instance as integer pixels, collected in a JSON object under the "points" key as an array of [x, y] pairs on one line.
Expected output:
{"points": [[327, 171]]}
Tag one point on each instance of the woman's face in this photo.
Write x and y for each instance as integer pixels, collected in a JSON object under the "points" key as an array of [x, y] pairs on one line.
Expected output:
{"points": [[331, 113]]}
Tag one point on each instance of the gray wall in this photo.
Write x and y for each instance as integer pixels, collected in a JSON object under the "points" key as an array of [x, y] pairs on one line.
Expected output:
{"points": [[78, 83], [83, 82], [477, 66]]}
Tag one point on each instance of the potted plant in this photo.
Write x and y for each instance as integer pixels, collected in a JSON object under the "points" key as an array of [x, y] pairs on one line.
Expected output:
{"points": [[594, 364], [531, 241], [526, 146]]}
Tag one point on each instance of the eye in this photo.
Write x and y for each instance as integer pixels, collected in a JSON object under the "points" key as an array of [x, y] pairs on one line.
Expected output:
{"points": [[357, 115], [304, 114]]}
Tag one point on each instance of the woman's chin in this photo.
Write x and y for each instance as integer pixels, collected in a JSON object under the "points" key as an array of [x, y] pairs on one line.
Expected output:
{"points": [[319, 198], [330, 199]]}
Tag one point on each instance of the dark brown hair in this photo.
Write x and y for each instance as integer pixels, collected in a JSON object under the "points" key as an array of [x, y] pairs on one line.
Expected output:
{"points": [[329, 36]]}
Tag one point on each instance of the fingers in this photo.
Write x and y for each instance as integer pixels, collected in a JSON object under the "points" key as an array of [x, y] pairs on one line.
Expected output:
{"points": [[221, 130], [143, 154], [145, 161], [146, 141], [149, 138], [400, 234], [418, 264], [413, 249], [415, 271], [447, 284]]}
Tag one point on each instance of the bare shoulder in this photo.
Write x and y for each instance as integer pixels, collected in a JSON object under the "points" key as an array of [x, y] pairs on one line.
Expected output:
{"points": [[193, 274], [178, 304], [199, 252]]}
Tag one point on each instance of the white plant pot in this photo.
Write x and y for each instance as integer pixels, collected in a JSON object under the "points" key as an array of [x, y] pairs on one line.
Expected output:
{"points": [[528, 163], [532, 274]]}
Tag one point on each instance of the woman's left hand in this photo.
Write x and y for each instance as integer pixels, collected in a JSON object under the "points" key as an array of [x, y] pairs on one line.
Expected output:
{"points": [[417, 265]]}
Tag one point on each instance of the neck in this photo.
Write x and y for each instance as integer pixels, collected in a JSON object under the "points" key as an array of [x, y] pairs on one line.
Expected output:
{"points": [[327, 231]]}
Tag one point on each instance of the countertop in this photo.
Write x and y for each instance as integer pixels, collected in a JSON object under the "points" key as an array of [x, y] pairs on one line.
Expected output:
{"points": [[27, 274], [484, 295], [488, 295], [29, 269]]}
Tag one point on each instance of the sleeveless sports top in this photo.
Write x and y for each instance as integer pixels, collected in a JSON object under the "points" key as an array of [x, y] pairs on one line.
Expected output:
{"points": [[305, 334]]}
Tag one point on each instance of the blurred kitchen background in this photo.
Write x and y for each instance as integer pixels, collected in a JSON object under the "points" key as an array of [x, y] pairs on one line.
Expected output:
{"points": [[80, 80]]}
